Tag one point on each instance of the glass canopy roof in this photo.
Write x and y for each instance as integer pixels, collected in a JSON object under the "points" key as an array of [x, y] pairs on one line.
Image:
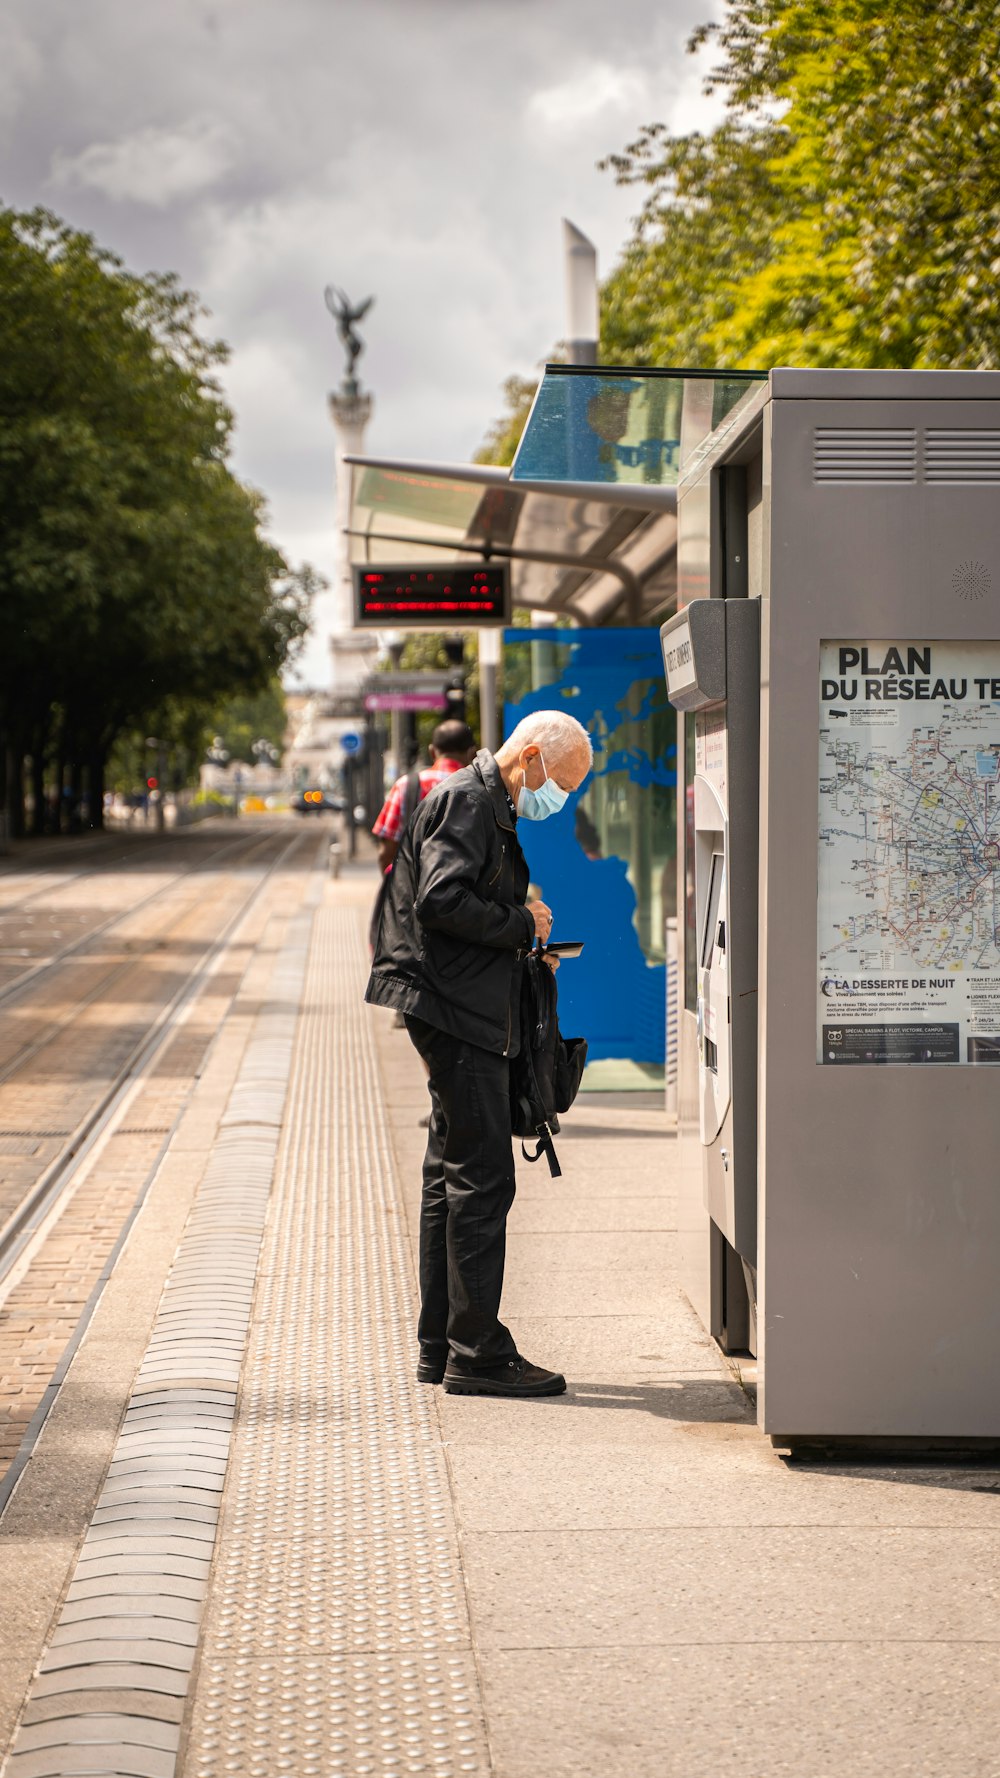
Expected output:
{"points": [[587, 516], [624, 426], [421, 499]]}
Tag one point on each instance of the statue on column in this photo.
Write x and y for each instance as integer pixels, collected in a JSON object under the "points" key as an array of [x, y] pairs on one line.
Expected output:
{"points": [[347, 314]]}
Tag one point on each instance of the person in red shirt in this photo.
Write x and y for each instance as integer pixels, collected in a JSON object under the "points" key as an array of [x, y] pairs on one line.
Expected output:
{"points": [[452, 747]]}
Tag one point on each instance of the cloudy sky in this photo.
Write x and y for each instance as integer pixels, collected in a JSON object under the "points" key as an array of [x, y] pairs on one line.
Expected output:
{"points": [[420, 150]]}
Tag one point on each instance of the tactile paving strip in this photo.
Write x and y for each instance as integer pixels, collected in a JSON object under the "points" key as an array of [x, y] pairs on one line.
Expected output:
{"points": [[337, 1638], [108, 1696]]}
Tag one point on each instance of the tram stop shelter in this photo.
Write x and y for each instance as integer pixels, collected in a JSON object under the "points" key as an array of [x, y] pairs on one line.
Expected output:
{"points": [[587, 520]]}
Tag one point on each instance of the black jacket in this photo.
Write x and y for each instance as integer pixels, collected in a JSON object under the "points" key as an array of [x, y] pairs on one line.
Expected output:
{"points": [[454, 926]]}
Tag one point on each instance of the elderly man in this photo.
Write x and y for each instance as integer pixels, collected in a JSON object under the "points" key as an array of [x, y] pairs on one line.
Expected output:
{"points": [[454, 932]]}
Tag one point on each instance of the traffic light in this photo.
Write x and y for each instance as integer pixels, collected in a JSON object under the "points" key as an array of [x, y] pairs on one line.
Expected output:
{"points": [[454, 685], [454, 691], [152, 783]]}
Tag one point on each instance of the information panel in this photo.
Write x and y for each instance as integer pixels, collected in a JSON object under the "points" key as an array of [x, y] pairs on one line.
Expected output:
{"points": [[909, 853], [456, 597]]}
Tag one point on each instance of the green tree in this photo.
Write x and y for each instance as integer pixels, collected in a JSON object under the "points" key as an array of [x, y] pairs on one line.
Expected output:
{"points": [[847, 209], [260, 717], [707, 222], [503, 437], [133, 574]]}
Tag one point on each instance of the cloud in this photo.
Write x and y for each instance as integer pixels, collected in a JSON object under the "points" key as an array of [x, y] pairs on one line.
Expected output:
{"points": [[152, 166], [420, 150], [573, 103], [20, 68]]}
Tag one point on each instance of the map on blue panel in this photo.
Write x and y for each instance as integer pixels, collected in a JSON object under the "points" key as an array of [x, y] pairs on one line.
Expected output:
{"points": [[585, 860]]}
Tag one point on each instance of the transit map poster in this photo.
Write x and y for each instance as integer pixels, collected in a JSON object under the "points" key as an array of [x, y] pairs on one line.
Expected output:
{"points": [[909, 853]]}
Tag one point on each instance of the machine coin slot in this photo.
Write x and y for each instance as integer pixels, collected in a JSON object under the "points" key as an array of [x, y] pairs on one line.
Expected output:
{"points": [[713, 983], [713, 926]]}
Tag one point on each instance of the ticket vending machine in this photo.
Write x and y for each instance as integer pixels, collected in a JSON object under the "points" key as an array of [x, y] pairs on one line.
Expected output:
{"points": [[836, 660], [711, 654]]}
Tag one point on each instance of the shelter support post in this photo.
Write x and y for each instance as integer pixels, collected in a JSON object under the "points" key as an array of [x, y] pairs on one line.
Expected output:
{"points": [[489, 715]]}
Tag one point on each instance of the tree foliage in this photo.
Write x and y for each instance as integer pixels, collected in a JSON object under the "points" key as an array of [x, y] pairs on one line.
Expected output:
{"points": [[503, 437], [846, 211], [136, 587], [246, 719]]}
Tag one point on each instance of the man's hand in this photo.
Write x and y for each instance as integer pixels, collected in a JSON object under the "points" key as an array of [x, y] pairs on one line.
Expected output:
{"points": [[542, 917]]}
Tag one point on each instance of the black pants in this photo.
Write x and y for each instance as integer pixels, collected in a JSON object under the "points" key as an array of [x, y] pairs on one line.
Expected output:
{"points": [[467, 1192]]}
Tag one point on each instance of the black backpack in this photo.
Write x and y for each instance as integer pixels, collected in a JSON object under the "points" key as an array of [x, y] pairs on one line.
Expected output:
{"points": [[411, 797], [545, 1074]]}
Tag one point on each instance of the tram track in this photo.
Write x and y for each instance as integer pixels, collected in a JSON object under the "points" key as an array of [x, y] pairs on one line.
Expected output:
{"points": [[55, 1181], [53, 882], [118, 972], [10, 992], [60, 1245]]}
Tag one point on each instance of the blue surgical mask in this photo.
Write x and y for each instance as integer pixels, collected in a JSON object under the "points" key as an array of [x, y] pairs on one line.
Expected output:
{"points": [[548, 799]]}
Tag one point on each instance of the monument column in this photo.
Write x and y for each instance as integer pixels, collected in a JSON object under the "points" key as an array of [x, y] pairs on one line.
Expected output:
{"points": [[352, 651]]}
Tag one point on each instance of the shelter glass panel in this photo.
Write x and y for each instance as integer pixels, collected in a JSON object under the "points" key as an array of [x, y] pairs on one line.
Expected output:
{"points": [[624, 426]]}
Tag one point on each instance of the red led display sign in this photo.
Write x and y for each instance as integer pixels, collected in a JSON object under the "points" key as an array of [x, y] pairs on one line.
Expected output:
{"points": [[452, 598]]}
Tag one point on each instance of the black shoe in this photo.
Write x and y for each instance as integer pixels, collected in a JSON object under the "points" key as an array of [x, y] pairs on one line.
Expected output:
{"points": [[516, 1378], [430, 1370]]}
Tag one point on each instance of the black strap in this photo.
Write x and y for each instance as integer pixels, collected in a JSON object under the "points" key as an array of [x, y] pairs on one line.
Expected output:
{"points": [[546, 1147], [411, 797]]}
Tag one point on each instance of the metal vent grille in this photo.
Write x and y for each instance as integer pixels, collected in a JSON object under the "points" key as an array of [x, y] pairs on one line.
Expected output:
{"points": [[847, 454], [970, 457]]}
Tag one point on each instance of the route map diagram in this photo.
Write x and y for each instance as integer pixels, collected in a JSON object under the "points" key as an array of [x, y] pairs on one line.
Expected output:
{"points": [[909, 853]]}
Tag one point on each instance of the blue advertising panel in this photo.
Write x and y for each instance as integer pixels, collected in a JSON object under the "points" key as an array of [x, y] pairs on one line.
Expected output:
{"points": [[607, 864]]}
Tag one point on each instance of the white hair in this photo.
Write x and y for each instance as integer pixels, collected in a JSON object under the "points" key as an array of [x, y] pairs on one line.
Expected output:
{"points": [[554, 731]]}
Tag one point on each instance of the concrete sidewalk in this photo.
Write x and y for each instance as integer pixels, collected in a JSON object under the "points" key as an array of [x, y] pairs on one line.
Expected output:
{"points": [[652, 1590], [302, 1561]]}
